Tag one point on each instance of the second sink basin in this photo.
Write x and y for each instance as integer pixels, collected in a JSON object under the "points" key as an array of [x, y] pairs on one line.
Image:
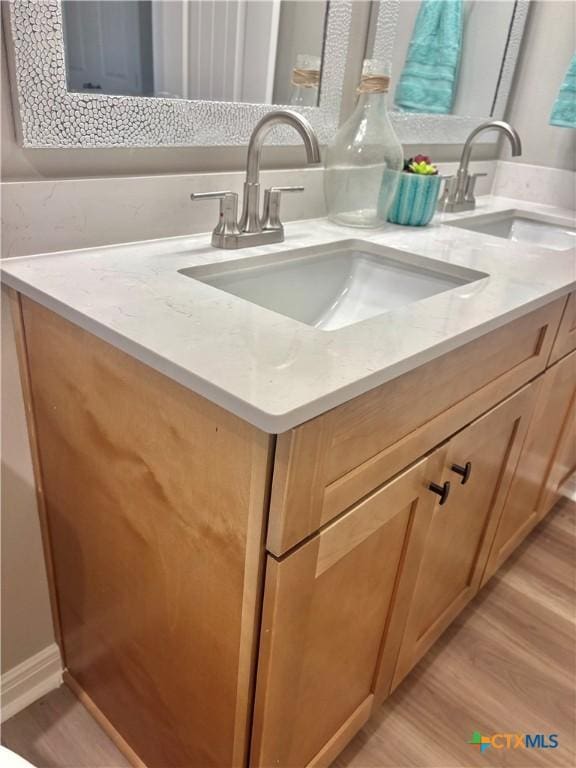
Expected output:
{"points": [[334, 285], [522, 227]]}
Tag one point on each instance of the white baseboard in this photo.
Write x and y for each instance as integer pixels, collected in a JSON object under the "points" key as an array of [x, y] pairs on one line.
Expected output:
{"points": [[33, 678]]}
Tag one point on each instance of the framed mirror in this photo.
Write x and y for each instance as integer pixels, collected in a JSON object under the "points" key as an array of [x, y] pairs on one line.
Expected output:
{"points": [[137, 73], [101, 73], [451, 61]]}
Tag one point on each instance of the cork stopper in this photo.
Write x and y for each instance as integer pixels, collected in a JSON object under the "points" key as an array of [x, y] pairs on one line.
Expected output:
{"points": [[307, 78], [373, 84], [306, 72], [375, 77]]}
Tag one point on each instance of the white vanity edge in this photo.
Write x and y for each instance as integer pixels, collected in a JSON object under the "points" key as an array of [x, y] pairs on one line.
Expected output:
{"points": [[267, 369]]}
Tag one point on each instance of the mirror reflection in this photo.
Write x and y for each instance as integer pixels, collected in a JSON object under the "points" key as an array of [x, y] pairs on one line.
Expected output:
{"points": [[448, 55], [253, 51]]}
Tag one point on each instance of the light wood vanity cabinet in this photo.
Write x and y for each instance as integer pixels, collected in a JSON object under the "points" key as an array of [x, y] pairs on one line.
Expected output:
{"points": [[223, 597]]}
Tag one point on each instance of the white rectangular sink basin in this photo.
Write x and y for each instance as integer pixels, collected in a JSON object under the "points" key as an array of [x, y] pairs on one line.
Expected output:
{"points": [[522, 227], [336, 284]]}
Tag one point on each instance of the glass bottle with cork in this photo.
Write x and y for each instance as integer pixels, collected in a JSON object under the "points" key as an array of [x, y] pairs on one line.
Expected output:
{"points": [[358, 192], [305, 81]]}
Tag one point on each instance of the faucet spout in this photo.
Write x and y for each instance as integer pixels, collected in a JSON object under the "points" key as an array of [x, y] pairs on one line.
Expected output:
{"points": [[493, 125], [263, 128], [250, 220]]}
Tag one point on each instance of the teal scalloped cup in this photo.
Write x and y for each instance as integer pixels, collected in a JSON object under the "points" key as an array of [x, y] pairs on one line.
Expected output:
{"points": [[415, 200]]}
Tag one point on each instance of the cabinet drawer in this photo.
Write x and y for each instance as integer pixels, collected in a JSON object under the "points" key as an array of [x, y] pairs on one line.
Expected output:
{"points": [[565, 341], [326, 618], [324, 466]]}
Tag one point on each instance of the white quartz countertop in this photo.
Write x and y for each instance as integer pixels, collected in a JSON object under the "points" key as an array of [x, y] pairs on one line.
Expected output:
{"points": [[269, 369]]}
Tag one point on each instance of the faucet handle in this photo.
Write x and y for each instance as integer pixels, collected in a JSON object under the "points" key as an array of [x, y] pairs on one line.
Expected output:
{"points": [[271, 214], [228, 219], [470, 186], [449, 191]]}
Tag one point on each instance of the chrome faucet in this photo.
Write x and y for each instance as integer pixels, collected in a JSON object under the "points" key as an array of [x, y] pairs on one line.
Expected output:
{"points": [[459, 190], [253, 228]]}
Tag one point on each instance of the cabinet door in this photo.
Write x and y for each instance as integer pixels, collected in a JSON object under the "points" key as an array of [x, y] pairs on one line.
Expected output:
{"points": [[327, 608], [548, 457], [565, 340], [480, 461]]}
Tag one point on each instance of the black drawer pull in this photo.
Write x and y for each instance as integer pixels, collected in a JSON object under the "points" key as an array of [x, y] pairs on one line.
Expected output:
{"points": [[464, 471], [442, 490]]}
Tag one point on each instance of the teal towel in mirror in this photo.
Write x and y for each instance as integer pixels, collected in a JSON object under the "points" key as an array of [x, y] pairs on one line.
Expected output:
{"points": [[564, 110], [428, 80]]}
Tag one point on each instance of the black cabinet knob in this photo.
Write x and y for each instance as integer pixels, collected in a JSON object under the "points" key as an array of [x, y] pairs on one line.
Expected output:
{"points": [[464, 471], [442, 490]]}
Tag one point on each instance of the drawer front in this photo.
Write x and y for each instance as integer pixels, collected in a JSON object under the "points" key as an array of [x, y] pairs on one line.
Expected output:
{"points": [[565, 341], [324, 466], [326, 617]]}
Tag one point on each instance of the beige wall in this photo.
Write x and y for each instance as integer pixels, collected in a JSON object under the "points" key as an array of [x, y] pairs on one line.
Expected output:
{"points": [[26, 620], [547, 48]]}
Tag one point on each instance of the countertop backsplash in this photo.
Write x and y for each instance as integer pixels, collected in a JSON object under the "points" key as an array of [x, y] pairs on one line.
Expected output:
{"points": [[55, 215], [535, 184], [46, 216]]}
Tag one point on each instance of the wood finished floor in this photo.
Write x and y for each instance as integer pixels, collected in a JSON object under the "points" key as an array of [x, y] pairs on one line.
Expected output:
{"points": [[506, 665]]}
